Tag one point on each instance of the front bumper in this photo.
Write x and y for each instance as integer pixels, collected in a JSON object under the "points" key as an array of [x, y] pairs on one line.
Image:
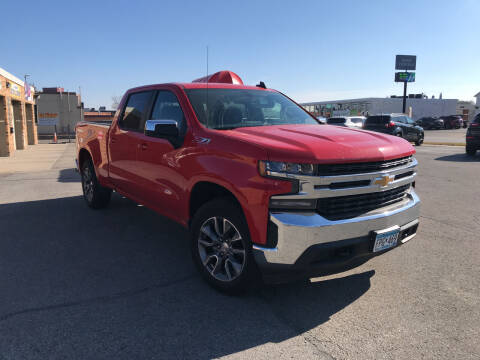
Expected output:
{"points": [[309, 245]]}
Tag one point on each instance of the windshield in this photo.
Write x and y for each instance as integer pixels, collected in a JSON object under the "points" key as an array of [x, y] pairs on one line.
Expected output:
{"points": [[232, 108]]}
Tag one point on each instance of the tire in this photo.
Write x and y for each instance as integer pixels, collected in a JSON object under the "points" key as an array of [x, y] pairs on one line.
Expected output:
{"points": [[95, 195], [223, 257], [470, 150], [419, 141], [399, 134]]}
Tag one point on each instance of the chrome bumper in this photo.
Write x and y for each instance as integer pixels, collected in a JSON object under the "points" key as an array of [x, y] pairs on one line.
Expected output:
{"points": [[299, 231]]}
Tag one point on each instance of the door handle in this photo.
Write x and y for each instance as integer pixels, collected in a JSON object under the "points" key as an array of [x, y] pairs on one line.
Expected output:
{"points": [[144, 146]]}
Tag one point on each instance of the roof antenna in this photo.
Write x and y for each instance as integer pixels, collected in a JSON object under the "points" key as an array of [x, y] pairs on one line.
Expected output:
{"points": [[206, 105], [261, 84]]}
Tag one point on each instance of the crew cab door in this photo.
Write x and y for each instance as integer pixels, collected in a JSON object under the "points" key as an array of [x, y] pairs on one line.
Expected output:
{"points": [[162, 184], [124, 140]]}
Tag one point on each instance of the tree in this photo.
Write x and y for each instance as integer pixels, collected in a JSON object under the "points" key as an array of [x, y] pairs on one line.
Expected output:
{"points": [[116, 101]]}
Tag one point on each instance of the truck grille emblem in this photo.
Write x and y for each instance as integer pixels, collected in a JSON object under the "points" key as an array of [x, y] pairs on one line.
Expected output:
{"points": [[384, 180]]}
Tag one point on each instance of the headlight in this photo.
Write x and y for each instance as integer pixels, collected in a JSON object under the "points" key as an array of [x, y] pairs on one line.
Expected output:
{"points": [[276, 168]]}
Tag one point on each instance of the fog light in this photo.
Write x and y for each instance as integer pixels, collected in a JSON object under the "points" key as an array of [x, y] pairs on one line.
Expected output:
{"points": [[293, 204]]}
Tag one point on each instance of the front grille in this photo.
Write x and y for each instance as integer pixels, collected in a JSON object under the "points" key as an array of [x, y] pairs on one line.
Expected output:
{"points": [[347, 207], [359, 168]]}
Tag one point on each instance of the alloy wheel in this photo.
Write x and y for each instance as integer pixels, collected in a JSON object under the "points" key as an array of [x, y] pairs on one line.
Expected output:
{"points": [[87, 183], [221, 249]]}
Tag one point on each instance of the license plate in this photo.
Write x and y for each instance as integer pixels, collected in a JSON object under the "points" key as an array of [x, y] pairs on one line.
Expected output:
{"points": [[385, 239]]}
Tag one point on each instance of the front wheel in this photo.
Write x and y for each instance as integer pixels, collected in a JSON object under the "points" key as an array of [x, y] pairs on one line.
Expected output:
{"points": [[221, 246], [95, 195], [419, 141]]}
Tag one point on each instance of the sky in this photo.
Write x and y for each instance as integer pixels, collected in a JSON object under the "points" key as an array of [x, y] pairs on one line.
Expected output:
{"points": [[310, 50]]}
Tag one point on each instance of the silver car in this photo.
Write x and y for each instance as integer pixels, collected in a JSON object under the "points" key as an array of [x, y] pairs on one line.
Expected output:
{"points": [[348, 121]]}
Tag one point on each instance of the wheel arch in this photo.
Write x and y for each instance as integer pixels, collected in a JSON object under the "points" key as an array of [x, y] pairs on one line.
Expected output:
{"points": [[83, 155], [205, 191]]}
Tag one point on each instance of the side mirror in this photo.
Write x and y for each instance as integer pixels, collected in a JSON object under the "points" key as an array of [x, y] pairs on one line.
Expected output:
{"points": [[162, 128]]}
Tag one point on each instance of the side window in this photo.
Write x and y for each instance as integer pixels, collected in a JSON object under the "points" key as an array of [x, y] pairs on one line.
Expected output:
{"points": [[409, 120], [167, 107], [400, 119], [135, 109]]}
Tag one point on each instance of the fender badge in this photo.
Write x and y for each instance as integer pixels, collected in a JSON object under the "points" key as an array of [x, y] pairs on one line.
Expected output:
{"points": [[201, 140]]}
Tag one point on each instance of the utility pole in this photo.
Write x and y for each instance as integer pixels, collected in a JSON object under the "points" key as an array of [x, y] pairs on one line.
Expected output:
{"points": [[69, 116]]}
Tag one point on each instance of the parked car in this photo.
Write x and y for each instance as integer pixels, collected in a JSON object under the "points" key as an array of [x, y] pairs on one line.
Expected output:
{"points": [[260, 185], [452, 121], [430, 122], [322, 119], [396, 124], [473, 136], [348, 121]]}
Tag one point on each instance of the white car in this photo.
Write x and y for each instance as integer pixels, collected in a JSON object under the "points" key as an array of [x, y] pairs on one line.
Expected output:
{"points": [[322, 119], [348, 121]]}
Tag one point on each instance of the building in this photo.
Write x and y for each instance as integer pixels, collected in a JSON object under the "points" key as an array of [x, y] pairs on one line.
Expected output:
{"points": [[370, 106], [467, 109], [100, 115], [477, 105], [58, 111], [18, 128]]}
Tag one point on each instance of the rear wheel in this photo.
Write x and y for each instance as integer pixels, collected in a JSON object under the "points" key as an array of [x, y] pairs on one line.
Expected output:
{"points": [[221, 246], [399, 134], [95, 195], [470, 150]]}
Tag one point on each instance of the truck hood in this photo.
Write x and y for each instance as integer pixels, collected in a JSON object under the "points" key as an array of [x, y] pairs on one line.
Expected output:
{"points": [[323, 143]]}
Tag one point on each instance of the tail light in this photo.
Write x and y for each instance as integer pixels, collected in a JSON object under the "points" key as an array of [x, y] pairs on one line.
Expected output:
{"points": [[390, 124], [474, 124]]}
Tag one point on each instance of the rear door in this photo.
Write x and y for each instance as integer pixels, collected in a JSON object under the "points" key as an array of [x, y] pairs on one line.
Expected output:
{"points": [[124, 141], [162, 185], [412, 130], [401, 122]]}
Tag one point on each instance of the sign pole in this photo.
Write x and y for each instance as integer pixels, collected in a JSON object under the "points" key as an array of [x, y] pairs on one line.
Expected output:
{"points": [[407, 62]]}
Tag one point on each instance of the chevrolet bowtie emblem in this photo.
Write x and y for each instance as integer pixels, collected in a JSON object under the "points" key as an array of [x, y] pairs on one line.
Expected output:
{"points": [[384, 180]]}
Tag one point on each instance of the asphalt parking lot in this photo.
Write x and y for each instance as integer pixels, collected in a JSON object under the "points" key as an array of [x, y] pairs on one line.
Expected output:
{"points": [[119, 284], [452, 136]]}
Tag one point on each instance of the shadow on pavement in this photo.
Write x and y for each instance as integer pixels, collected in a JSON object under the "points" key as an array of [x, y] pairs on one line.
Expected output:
{"points": [[119, 283], [68, 175], [459, 158]]}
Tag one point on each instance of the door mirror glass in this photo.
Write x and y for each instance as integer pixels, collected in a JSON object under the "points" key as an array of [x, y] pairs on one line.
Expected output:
{"points": [[162, 128]]}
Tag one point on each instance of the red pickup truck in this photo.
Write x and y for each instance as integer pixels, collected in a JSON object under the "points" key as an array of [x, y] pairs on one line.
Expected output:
{"points": [[260, 183]]}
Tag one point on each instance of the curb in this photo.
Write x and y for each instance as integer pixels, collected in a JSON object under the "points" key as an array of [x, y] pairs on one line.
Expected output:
{"points": [[443, 143]]}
